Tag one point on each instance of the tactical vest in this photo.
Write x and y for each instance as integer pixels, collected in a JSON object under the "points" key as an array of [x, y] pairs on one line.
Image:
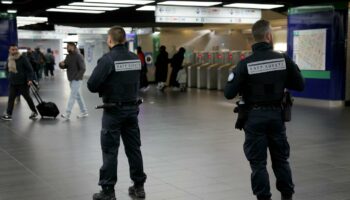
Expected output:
{"points": [[266, 78], [122, 85]]}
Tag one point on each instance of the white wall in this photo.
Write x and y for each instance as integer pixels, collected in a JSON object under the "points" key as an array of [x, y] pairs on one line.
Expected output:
{"points": [[94, 48]]}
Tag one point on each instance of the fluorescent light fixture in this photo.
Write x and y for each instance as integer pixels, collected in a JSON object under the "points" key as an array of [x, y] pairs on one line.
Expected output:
{"points": [[147, 8], [112, 5], [190, 3], [74, 11], [6, 2], [254, 5], [31, 18], [136, 2], [21, 19], [87, 8], [12, 11]]}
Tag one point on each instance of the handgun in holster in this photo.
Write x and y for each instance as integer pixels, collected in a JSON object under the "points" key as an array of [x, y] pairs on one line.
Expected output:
{"points": [[242, 110], [287, 104]]}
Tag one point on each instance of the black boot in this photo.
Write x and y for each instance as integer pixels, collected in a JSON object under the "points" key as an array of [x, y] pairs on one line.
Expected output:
{"points": [[137, 191], [104, 195]]}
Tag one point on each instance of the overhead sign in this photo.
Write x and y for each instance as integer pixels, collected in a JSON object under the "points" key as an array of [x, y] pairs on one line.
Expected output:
{"points": [[204, 15]]}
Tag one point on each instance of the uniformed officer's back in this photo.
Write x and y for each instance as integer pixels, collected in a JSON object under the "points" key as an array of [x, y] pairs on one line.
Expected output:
{"points": [[265, 74], [116, 79], [261, 80], [120, 70]]}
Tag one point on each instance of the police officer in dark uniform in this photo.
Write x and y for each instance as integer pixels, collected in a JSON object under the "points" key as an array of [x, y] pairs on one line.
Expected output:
{"points": [[261, 79], [116, 79]]}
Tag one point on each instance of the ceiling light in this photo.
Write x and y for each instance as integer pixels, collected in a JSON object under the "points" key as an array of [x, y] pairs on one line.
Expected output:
{"points": [[100, 4], [11, 11], [21, 19], [147, 8], [254, 5], [190, 3], [136, 2], [87, 8], [74, 11], [6, 2]]}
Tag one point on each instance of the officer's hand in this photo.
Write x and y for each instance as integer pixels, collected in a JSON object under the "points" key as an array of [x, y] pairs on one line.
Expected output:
{"points": [[30, 83]]}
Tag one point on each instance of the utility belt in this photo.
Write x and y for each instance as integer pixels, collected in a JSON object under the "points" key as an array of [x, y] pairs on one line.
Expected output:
{"points": [[243, 109], [119, 104]]}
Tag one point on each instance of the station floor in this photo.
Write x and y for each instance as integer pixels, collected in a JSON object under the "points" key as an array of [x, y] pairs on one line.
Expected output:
{"points": [[190, 149]]}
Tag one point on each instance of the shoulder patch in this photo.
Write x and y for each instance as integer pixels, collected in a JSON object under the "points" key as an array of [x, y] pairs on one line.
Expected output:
{"points": [[266, 66], [231, 77], [127, 65]]}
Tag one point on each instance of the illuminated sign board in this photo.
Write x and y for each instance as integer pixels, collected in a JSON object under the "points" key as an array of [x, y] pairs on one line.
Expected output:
{"points": [[205, 15]]}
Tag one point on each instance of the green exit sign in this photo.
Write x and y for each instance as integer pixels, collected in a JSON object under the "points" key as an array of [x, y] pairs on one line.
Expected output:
{"points": [[2, 74]]}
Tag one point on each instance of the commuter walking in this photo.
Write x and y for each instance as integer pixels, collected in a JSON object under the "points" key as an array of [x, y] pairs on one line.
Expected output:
{"points": [[20, 76], [176, 64], [161, 64], [261, 79], [75, 65], [40, 62], [144, 86], [50, 63], [116, 78]]}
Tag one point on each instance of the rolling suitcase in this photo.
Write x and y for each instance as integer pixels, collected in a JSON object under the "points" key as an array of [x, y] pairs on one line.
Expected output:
{"points": [[46, 109]]}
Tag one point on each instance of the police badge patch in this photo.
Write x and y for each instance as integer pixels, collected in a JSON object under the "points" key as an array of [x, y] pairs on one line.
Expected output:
{"points": [[231, 77]]}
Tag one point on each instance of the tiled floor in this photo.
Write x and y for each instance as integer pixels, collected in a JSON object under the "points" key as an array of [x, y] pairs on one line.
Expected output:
{"points": [[189, 146]]}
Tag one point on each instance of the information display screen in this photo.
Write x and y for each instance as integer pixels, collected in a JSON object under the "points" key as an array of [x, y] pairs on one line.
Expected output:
{"points": [[212, 15], [309, 49]]}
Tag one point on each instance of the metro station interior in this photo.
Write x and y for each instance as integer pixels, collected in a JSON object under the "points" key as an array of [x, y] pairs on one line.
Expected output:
{"points": [[190, 146]]}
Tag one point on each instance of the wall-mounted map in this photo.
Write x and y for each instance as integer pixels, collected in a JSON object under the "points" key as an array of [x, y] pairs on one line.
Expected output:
{"points": [[309, 50]]}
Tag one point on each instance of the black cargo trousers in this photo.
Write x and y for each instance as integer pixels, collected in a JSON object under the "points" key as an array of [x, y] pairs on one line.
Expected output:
{"points": [[121, 122], [265, 129]]}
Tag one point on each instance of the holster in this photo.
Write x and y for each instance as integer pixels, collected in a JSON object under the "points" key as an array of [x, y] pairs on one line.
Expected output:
{"points": [[287, 104], [243, 111]]}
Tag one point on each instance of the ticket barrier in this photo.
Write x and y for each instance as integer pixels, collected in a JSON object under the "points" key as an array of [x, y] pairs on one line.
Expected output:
{"points": [[202, 75], [192, 74], [223, 73], [212, 76]]}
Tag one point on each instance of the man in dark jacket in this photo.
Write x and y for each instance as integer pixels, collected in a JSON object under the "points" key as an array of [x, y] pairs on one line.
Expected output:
{"points": [[176, 65], [75, 65], [20, 75], [50, 63], [161, 64], [261, 79]]}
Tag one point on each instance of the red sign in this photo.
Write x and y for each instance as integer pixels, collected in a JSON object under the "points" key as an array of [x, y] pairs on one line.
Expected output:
{"points": [[199, 56], [219, 56], [209, 56], [230, 56]]}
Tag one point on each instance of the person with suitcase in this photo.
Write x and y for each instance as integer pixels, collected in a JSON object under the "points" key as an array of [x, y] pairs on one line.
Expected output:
{"points": [[46, 109], [20, 75]]}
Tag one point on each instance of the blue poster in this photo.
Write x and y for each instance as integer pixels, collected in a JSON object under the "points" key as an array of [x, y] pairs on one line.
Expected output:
{"points": [[316, 42], [8, 36]]}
